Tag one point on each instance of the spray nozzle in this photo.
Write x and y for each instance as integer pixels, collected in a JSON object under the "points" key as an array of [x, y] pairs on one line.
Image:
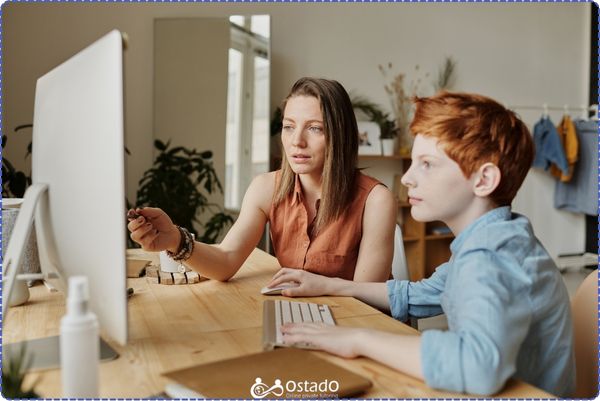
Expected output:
{"points": [[79, 294]]}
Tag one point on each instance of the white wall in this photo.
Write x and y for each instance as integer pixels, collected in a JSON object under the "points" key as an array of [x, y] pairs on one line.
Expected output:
{"points": [[190, 60], [517, 53]]}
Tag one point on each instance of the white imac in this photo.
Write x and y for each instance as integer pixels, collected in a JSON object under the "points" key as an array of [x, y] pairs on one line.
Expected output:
{"points": [[78, 190]]}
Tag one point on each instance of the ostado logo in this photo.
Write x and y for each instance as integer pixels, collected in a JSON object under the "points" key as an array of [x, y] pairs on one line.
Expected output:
{"points": [[295, 389], [260, 390]]}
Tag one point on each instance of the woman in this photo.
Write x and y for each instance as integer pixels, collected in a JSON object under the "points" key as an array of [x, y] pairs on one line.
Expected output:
{"points": [[325, 216]]}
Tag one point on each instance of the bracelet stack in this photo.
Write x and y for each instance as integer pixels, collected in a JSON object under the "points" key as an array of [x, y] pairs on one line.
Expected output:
{"points": [[186, 246]]}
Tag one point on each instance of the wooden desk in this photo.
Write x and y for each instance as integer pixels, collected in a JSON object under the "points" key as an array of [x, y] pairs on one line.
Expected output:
{"points": [[176, 326]]}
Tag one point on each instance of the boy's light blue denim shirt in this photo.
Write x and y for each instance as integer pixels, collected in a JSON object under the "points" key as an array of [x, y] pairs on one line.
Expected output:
{"points": [[507, 307]]}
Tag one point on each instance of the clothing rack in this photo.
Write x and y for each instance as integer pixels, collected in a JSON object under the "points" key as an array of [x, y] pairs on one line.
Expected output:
{"points": [[545, 108]]}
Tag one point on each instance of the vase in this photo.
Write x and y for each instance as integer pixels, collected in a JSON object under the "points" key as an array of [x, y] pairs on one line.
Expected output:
{"points": [[169, 265], [405, 141], [387, 146]]}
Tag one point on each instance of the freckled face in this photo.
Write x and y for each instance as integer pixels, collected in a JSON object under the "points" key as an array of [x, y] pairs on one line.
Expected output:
{"points": [[303, 135], [437, 188]]}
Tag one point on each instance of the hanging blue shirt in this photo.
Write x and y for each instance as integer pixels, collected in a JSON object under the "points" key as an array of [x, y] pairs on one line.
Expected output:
{"points": [[580, 194], [548, 147], [507, 307]]}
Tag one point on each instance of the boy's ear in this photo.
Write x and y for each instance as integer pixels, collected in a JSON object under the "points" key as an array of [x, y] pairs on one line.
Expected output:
{"points": [[487, 179]]}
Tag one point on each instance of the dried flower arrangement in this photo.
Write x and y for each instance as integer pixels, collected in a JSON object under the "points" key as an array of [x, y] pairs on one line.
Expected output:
{"points": [[400, 95]]}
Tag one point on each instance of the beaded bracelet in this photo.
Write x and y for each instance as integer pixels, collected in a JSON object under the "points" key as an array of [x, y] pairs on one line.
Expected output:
{"points": [[186, 246]]}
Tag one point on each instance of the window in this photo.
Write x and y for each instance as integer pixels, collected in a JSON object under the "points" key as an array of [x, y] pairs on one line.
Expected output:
{"points": [[248, 117], [232, 135]]}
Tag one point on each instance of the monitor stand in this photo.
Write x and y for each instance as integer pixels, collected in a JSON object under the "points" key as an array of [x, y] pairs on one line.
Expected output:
{"points": [[11, 261], [45, 351]]}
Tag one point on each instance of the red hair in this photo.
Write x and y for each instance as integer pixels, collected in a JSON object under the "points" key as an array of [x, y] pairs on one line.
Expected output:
{"points": [[474, 130]]}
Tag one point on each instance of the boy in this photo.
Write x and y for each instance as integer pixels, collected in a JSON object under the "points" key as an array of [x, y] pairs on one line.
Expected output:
{"points": [[507, 307]]}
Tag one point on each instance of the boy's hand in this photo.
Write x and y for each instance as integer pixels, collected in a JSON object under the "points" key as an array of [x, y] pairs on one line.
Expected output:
{"points": [[309, 284], [341, 341], [153, 229]]}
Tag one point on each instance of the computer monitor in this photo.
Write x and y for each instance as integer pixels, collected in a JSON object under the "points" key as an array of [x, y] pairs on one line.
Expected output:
{"points": [[78, 191]]}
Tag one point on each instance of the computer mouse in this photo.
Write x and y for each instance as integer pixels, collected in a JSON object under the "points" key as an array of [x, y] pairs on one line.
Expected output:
{"points": [[277, 290]]}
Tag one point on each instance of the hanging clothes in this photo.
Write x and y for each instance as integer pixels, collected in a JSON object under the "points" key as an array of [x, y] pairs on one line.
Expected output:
{"points": [[580, 194], [568, 138], [548, 148]]}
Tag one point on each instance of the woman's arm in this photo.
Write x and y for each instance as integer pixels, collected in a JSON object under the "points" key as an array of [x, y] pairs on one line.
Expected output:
{"points": [[156, 232], [374, 262], [222, 261], [314, 285]]}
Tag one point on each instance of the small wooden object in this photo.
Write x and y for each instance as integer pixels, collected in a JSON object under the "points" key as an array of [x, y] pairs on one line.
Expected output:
{"points": [[136, 267], [157, 276]]}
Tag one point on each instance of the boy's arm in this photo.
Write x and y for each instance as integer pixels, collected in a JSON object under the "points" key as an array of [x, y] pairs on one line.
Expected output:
{"points": [[417, 299], [491, 316], [374, 294], [401, 352]]}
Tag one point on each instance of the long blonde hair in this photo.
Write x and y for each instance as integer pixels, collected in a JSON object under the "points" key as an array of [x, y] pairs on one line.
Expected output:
{"points": [[341, 150]]}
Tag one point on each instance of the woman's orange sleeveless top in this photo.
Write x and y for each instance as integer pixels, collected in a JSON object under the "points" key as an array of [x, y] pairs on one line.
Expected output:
{"points": [[333, 251]]}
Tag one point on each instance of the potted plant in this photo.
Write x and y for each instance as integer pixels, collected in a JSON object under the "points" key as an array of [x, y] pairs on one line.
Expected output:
{"points": [[14, 182], [275, 141], [14, 370], [446, 75], [400, 93], [400, 102], [374, 113], [175, 182]]}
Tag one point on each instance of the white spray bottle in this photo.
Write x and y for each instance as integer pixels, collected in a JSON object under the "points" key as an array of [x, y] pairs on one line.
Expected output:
{"points": [[79, 343]]}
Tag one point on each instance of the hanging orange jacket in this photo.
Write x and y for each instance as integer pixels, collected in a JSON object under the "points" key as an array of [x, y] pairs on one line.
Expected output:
{"points": [[568, 139]]}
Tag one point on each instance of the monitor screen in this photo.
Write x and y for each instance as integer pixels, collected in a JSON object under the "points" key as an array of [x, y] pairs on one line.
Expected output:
{"points": [[78, 152]]}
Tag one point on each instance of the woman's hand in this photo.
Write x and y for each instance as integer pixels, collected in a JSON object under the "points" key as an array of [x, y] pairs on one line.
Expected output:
{"points": [[337, 340], [154, 230], [309, 284]]}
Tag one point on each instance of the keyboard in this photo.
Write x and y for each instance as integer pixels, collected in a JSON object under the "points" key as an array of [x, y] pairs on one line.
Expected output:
{"points": [[279, 311]]}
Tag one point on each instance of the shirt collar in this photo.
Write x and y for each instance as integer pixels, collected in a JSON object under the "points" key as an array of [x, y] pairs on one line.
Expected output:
{"points": [[297, 190], [498, 214], [298, 197], [545, 121], [566, 120]]}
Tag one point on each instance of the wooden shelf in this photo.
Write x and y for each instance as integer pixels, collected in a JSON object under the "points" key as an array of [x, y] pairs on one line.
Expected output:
{"points": [[438, 236], [381, 157], [409, 238]]}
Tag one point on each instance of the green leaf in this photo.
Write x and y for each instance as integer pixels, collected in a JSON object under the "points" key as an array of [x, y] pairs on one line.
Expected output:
{"points": [[14, 370], [23, 126], [214, 226], [374, 112], [276, 121], [18, 184], [177, 183], [158, 144]]}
